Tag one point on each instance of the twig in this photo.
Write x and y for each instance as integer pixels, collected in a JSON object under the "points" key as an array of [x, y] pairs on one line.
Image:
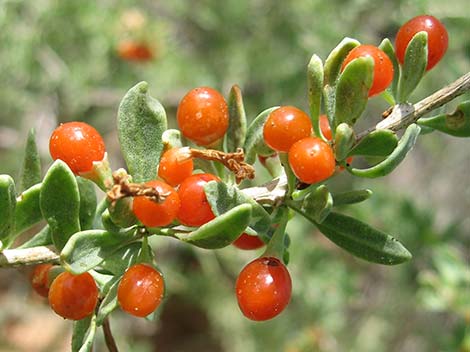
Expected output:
{"points": [[403, 115], [108, 336], [28, 256]]}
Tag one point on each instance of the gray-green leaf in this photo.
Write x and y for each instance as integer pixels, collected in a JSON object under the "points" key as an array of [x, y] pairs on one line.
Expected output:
{"points": [[386, 166], [318, 204], [88, 203], [7, 210], [456, 124], [376, 143], [254, 143], [28, 211], [236, 132], [351, 197], [315, 89], [141, 123], [84, 334], [31, 169], [344, 140], [60, 202]]}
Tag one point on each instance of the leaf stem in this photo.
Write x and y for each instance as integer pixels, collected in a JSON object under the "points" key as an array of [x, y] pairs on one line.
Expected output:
{"points": [[108, 336]]}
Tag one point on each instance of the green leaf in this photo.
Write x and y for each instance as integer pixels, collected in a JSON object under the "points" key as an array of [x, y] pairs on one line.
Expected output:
{"points": [[223, 197], [123, 258], [221, 231], [351, 197], [236, 132], [362, 240], [31, 169], [254, 142], [88, 203], [109, 303], [28, 211], [60, 202], [376, 143], [414, 66], [42, 238], [315, 88], [456, 124], [7, 210], [84, 334], [87, 249], [387, 47], [318, 204], [352, 90], [386, 166], [344, 140], [171, 138], [335, 59], [141, 123]]}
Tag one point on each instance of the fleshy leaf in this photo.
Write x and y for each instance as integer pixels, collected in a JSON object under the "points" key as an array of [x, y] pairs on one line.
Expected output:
{"points": [[31, 169], [60, 202], [222, 198], [221, 231], [344, 140], [414, 66], [109, 303], [87, 249], [254, 143], [84, 334], [28, 211], [236, 132], [456, 124], [141, 123], [315, 88], [7, 210], [362, 240], [124, 257], [318, 204], [352, 90], [376, 143], [387, 47], [87, 203], [386, 166], [351, 197], [335, 59], [42, 238]]}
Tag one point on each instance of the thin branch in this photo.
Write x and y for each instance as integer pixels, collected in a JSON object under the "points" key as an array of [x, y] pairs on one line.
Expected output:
{"points": [[108, 336], [28, 256], [403, 115]]}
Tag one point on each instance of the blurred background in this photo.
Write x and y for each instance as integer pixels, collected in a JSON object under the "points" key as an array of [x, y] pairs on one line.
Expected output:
{"points": [[74, 60]]}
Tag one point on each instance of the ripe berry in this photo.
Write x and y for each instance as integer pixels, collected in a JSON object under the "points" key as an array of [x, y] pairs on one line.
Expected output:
{"points": [[174, 167], [263, 288], [195, 210], [134, 51], [248, 242], [383, 67], [140, 290], [438, 39], [78, 145], [73, 296], [285, 126], [325, 127], [40, 279], [203, 116], [153, 214], [312, 160]]}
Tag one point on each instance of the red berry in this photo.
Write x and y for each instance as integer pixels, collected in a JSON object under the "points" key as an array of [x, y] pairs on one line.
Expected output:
{"points": [[438, 39], [153, 214], [195, 210], [73, 296], [312, 160], [325, 127], [203, 116], [285, 126], [140, 290], [78, 145], [248, 242], [40, 279], [175, 167], [263, 288], [383, 67], [134, 51]]}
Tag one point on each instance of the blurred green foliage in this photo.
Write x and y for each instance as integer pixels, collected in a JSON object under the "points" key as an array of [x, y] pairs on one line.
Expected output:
{"points": [[59, 63]]}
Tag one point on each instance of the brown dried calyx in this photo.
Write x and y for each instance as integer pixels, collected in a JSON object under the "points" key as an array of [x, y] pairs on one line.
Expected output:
{"points": [[123, 188], [235, 162]]}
